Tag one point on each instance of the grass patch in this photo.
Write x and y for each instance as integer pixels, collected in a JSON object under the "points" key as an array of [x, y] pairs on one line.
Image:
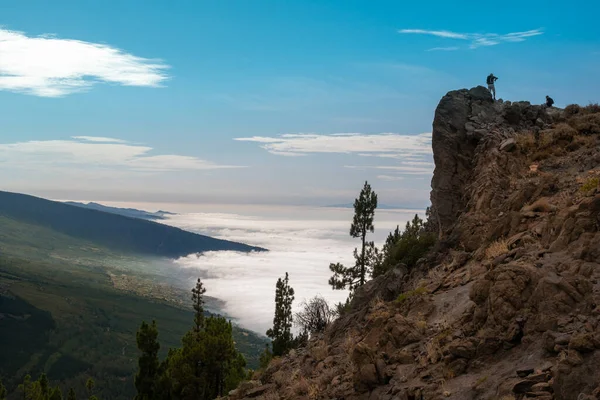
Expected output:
{"points": [[496, 249], [412, 293], [480, 381], [590, 184]]}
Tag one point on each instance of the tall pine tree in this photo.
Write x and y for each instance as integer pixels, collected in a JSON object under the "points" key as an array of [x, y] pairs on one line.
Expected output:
{"points": [[205, 367], [281, 333], [147, 375], [198, 304], [362, 223]]}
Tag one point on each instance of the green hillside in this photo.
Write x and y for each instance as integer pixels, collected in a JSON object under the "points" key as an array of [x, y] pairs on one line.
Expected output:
{"points": [[71, 308], [113, 231]]}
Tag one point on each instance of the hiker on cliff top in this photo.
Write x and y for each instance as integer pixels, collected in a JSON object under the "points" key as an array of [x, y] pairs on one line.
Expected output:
{"points": [[490, 82], [549, 101]]}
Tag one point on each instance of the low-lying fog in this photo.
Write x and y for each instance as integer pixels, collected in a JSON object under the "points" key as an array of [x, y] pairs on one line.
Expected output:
{"points": [[302, 241]]}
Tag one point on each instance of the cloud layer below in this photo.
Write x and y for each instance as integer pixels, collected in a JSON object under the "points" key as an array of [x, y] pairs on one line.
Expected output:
{"points": [[51, 67], [302, 241], [476, 39]]}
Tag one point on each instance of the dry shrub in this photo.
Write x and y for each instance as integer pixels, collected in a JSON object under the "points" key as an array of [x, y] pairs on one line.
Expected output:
{"points": [[540, 205], [377, 302], [271, 396], [590, 184], [301, 387], [586, 124], [592, 108], [348, 345], [572, 109], [496, 249], [434, 350], [280, 378], [526, 141], [313, 392], [562, 133], [586, 141], [508, 397], [421, 323]]}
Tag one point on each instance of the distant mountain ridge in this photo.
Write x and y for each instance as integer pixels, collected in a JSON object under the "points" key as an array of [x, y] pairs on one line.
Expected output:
{"points": [[114, 231], [127, 212]]}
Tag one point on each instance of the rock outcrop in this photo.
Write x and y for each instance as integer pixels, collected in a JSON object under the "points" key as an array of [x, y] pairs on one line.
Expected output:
{"points": [[508, 308]]}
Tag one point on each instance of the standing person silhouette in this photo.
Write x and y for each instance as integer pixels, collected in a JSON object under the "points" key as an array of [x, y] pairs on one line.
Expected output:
{"points": [[490, 82]]}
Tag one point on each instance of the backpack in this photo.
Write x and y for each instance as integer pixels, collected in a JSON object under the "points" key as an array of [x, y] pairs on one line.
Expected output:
{"points": [[490, 80]]}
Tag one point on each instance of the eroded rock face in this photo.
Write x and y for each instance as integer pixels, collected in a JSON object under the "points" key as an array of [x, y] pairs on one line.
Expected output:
{"points": [[508, 306], [454, 143]]}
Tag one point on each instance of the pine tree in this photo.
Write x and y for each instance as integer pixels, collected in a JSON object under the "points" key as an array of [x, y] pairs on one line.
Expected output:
{"points": [[71, 395], [281, 333], [44, 386], [362, 223], [89, 385], [220, 352], [146, 377], [198, 300], [56, 394], [26, 386], [265, 357], [406, 247], [2, 391]]}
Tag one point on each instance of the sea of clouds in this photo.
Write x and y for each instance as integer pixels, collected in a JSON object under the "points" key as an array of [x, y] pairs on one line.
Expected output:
{"points": [[301, 241]]}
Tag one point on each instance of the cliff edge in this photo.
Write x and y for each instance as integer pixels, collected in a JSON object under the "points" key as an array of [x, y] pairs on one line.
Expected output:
{"points": [[507, 305]]}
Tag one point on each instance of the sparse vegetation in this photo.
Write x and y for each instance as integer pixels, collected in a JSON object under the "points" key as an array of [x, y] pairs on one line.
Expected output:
{"points": [[480, 381], [315, 315], [497, 248], [405, 247], [420, 291], [590, 184]]}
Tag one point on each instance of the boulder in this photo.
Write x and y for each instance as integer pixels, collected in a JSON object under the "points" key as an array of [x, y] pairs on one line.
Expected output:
{"points": [[508, 145]]}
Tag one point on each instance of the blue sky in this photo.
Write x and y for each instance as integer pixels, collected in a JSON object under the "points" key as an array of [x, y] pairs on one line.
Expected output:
{"points": [[148, 100]]}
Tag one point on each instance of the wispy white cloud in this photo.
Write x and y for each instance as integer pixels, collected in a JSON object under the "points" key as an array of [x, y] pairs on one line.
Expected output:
{"points": [[380, 144], [402, 169], [476, 39], [450, 48], [444, 34], [96, 153], [390, 177], [98, 139], [48, 66]]}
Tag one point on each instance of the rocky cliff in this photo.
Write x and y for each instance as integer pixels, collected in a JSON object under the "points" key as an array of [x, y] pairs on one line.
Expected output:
{"points": [[507, 306]]}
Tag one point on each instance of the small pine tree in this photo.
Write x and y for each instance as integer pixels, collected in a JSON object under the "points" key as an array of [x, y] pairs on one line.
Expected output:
{"points": [[25, 387], [265, 357], [406, 247], [56, 394], [281, 333], [198, 300], [71, 395], [89, 385], [2, 391], [362, 223], [146, 377]]}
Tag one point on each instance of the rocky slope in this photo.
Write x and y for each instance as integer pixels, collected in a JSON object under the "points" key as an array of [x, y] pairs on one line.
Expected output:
{"points": [[506, 307]]}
